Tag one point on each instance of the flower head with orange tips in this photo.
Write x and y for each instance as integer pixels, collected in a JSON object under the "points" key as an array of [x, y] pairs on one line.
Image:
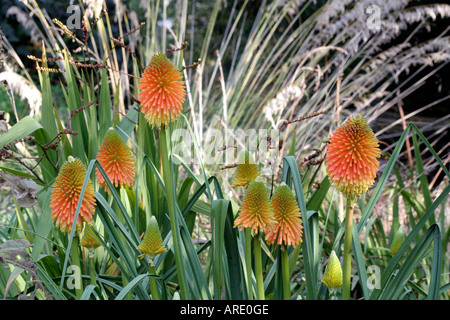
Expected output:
{"points": [[162, 91], [246, 172], [256, 210], [288, 227], [352, 157], [66, 194], [116, 159]]}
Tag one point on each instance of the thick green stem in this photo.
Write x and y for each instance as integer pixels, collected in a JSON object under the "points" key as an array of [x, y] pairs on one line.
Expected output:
{"points": [[75, 255], [167, 176], [285, 274], [347, 268], [152, 281], [248, 261], [92, 269], [125, 281], [258, 269]]}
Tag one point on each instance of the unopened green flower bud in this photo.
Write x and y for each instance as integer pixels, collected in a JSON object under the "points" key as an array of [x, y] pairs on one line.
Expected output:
{"points": [[398, 240]]}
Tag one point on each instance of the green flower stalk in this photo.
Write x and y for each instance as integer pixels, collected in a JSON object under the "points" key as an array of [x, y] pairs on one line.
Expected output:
{"points": [[286, 231], [352, 165], [256, 214], [162, 96]]}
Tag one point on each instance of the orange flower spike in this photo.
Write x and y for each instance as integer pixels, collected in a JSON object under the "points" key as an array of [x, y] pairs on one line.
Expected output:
{"points": [[352, 157], [256, 210], [162, 91], [116, 159], [288, 227], [66, 193], [246, 172]]}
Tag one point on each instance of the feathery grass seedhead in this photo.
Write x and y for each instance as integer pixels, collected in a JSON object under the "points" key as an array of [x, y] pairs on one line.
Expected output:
{"points": [[397, 241], [66, 193], [333, 277], [246, 172], [90, 240], [116, 159], [288, 227], [152, 244], [162, 92], [352, 157], [256, 210]]}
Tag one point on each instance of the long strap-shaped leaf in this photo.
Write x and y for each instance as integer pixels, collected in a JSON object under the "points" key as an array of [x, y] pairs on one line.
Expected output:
{"points": [[387, 273], [309, 246], [396, 282], [384, 177]]}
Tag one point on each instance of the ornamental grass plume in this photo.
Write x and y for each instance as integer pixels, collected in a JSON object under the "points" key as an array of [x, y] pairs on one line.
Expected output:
{"points": [[256, 210], [288, 227], [152, 244], [116, 159], [332, 277], [247, 170], [352, 157], [162, 92], [66, 194], [397, 241]]}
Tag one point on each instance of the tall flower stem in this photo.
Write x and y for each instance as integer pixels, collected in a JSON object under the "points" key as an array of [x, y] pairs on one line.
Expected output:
{"points": [[248, 261], [92, 269], [285, 273], [152, 281], [167, 176], [258, 268], [75, 255], [125, 281], [347, 265]]}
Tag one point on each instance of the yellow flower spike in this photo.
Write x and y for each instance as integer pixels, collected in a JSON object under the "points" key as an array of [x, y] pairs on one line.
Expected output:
{"points": [[352, 157], [66, 193], [116, 159], [246, 172], [152, 244], [162, 92], [333, 273], [256, 210], [288, 227], [397, 241], [90, 240]]}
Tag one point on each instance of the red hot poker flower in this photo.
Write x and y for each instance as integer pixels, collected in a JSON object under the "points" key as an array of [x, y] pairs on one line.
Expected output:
{"points": [[288, 227], [352, 157], [162, 91], [116, 159], [256, 210], [66, 193]]}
